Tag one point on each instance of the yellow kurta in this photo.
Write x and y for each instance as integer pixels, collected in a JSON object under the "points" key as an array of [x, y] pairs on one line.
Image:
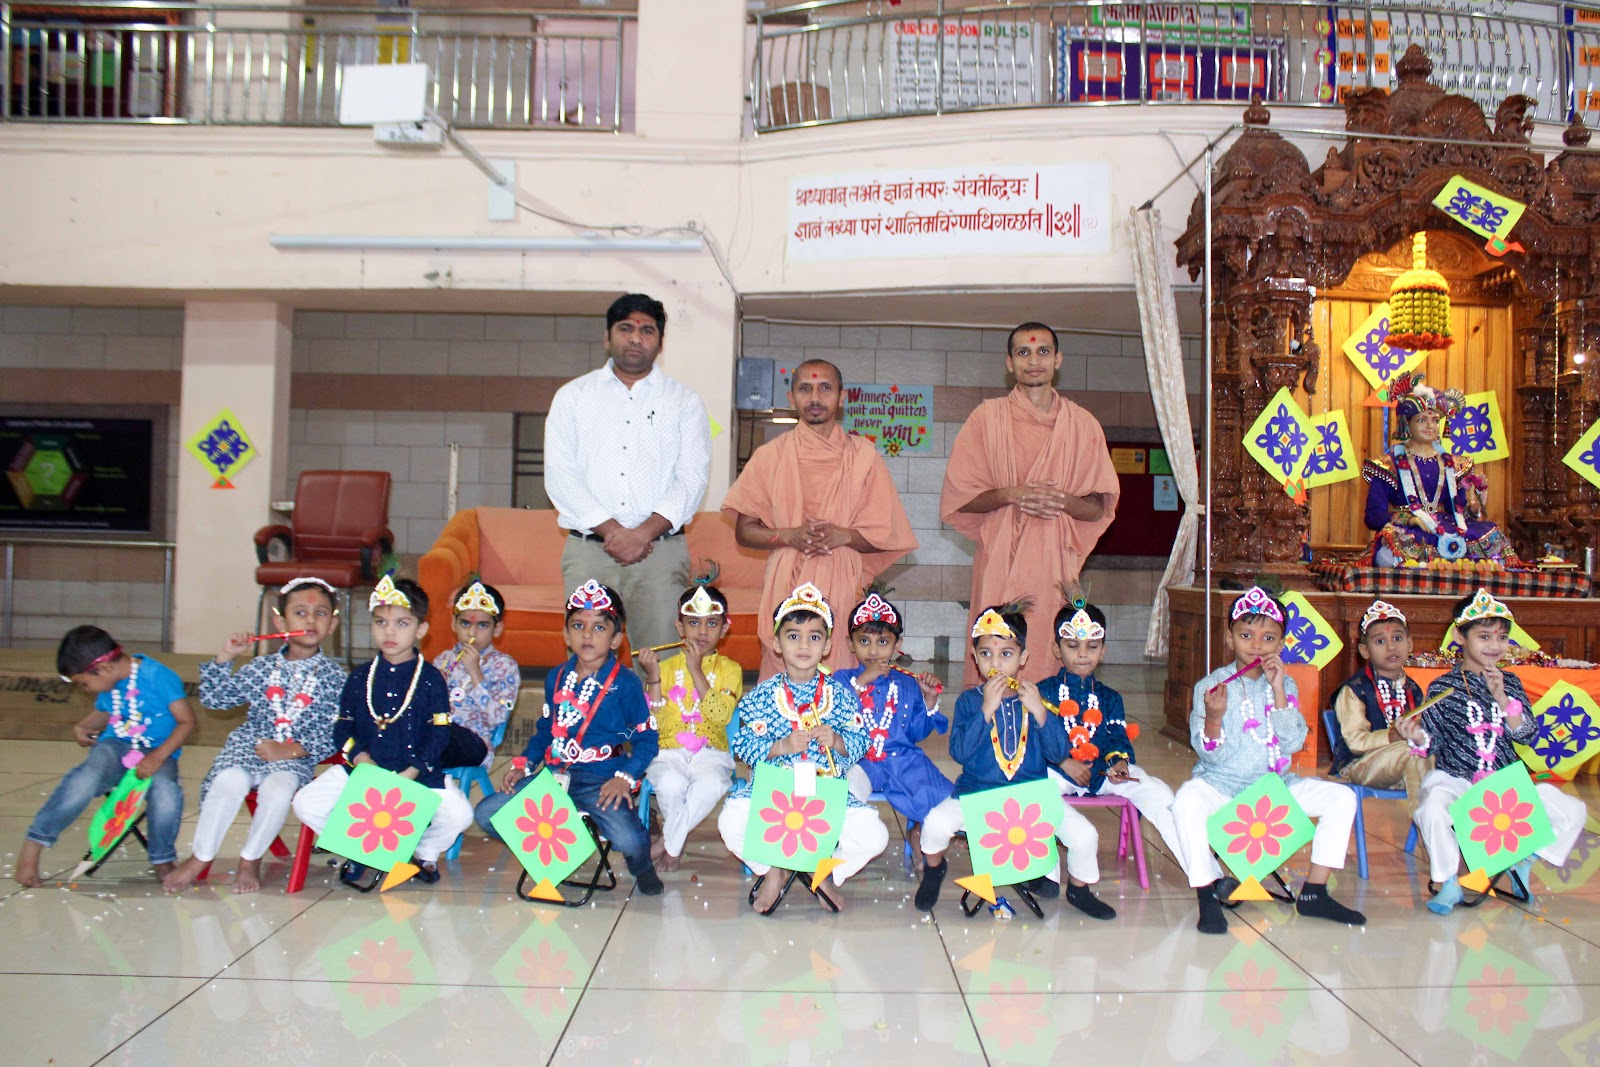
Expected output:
{"points": [[726, 679]]}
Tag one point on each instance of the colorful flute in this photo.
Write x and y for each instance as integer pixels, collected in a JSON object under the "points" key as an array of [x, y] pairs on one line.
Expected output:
{"points": [[1241, 672]]}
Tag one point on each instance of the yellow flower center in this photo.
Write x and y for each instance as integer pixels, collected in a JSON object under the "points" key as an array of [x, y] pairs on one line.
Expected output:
{"points": [[1502, 822], [547, 830], [1258, 830], [794, 820], [1016, 835], [382, 819]]}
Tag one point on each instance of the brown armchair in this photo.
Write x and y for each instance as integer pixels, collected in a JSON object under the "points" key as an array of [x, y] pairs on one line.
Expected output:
{"points": [[340, 533]]}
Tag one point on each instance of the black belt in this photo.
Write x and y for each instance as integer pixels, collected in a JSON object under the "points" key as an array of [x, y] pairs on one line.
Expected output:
{"points": [[580, 535]]}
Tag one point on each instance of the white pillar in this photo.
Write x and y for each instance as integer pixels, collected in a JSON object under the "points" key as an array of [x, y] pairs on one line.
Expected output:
{"points": [[235, 356], [699, 349]]}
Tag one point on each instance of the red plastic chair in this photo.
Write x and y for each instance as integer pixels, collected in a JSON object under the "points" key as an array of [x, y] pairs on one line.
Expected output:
{"points": [[277, 848], [306, 844]]}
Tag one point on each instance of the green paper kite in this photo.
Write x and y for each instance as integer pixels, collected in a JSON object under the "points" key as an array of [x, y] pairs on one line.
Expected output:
{"points": [[1496, 1000], [1255, 1011], [789, 831], [379, 975], [1568, 733], [543, 974], [1367, 347], [1308, 637], [544, 830], [1257, 831], [1584, 455], [1011, 831], [223, 447], [791, 1024], [116, 815], [1500, 821], [378, 818], [1279, 440]]}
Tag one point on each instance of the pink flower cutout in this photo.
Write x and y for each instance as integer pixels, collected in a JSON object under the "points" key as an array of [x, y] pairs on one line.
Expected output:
{"points": [[796, 822], [1019, 835], [545, 833], [381, 821], [1502, 821], [1258, 832]]}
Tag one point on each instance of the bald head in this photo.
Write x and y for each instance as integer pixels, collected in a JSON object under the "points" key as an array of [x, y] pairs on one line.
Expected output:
{"points": [[816, 390], [814, 367]]}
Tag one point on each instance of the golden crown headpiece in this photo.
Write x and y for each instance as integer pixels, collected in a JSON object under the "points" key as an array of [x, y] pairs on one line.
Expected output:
{"points": [[1483, 606], [701, 605], [806, 597], [476, 598], [384, 594], [992, 624], [1082, 627]]}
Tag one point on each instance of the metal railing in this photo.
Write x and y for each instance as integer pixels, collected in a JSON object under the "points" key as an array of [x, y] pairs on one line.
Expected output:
{"points": [[845, 60], [141, 61]]}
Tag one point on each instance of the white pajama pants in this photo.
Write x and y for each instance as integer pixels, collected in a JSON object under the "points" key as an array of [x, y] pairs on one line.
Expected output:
{"points": [[1076, 834], [274, 793], [314, 803], [1331, 804], [1151, 796], [688, 786], [862, 837], [1441, 789]]}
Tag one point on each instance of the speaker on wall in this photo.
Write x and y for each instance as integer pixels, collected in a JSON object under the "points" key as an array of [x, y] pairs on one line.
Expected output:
{"points": [[753, 385]]}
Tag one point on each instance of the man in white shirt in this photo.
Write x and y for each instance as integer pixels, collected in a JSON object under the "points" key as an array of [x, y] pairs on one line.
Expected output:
{"points": [[627, 453]]}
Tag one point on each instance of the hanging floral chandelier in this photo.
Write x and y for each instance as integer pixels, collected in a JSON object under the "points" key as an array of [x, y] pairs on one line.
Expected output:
{"points": [[1419, 305]]}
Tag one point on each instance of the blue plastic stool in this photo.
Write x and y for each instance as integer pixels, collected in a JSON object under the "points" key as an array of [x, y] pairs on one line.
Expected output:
{"points": [[467, 777], [1341, 756]]}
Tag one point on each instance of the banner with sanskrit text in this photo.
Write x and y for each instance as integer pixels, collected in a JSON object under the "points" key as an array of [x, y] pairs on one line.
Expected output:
{"points": [[1060, 210]]}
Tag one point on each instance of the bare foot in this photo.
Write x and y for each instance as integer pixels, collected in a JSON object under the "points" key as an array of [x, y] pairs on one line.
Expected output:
{"points": [[248, 879], [916, 850], [668, 862], [27, 869], [827, 889], [658, 849], [183, 876], [164, 870], [768, 897]]}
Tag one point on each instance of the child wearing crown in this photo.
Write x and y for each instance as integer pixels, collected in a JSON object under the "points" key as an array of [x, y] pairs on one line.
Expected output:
{"points": [[802, 715], [596, 731], [1246, 722], [1101, 759], [894, 708], [1004, 734], [693, 770], [293, 698], [1469, 735], [394, 713], [483, 681], [1373, 705]]}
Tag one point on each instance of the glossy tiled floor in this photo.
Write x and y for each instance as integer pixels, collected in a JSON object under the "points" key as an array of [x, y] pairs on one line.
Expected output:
{"points": [[111, 970]]}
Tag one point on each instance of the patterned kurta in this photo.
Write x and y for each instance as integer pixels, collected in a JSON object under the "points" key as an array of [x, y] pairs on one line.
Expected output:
{"points": [[1453, 749], [896, 720], [481, 707], [1240, 759], [762, 723], [726, 679], [222, 687]]}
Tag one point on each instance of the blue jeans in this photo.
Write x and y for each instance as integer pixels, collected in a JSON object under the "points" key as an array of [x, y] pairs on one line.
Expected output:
{"points": [[98, 775], [619, 825]]}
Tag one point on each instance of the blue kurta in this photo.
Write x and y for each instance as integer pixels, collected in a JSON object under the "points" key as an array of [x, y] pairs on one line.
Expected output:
{"points": [[1109, 736], [762, 723], [622, 718], [970, 744], [894, 763], [222, 687], [416, 739]]}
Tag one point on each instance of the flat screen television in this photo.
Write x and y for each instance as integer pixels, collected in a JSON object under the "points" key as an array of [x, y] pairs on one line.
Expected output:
{"points": [[68, 474]]}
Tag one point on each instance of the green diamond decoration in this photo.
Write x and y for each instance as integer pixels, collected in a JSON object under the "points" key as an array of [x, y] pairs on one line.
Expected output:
{"points": [[1255, 1010], [379, 818], [543, 975], [1011, 831], [116, 815], [544, 830], [791, 831], [381, 974], [1500, 821], [1496, 1000], [1257, 831]]}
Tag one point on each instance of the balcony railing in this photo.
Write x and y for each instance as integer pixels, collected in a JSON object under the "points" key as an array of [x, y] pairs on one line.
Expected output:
{"points": [[137, 61], [843, 60]]}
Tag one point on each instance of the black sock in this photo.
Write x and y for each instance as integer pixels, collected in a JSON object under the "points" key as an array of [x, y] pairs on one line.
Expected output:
{"points": [[928, 889], [1043, 888], [1315, 902], [1213, 920], [648, 880], [1083, 898]]}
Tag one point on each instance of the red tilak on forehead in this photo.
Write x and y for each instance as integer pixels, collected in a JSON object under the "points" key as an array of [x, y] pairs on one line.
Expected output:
{"points": [[1033, 339]]}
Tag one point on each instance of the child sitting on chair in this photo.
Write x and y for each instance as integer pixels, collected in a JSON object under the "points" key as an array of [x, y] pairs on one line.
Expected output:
{"points": [[293, 698], [895, 712], [1243, 729], [801, 715], [1373, 701], [1004, 734], [1100, 760], [483, 681], [394, 713], [1469, 735], [594, 709], [693, 770], [140, 719]]}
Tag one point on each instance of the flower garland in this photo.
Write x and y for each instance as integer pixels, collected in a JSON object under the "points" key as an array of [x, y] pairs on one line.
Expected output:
{"points": [[1263, 734], [129, 724], [1481, 726], [305, 694], [1392, 704], [574, 707], [1085, 725], [805, 715], [386, 721], [877, 725]]}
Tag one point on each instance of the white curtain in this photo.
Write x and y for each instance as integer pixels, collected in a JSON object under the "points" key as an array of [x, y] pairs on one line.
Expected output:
{"points": [[1163, 358]]}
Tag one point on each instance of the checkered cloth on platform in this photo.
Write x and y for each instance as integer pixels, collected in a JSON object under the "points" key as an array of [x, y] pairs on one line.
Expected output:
{"points": [[1338, 576]]}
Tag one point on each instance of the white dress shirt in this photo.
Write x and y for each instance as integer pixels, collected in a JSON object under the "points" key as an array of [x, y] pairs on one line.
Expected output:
{"points": [[611, 452]]}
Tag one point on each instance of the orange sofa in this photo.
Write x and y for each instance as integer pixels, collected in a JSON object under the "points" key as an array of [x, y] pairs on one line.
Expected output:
{"points": [[518, 551]]}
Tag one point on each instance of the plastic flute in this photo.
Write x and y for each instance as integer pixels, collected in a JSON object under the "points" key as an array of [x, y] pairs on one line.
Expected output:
{"points": [[1246, 669]]}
